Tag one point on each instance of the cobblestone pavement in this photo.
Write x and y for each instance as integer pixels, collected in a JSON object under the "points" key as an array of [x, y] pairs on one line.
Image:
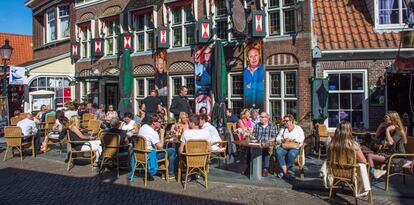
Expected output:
{"points": [[46, 181]]}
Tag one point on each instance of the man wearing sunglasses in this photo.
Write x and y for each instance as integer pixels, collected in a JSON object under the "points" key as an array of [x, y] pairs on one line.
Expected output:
{"points": [[263, 131]]}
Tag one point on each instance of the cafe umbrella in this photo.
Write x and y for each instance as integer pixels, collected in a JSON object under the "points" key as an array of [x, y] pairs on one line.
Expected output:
{"points": [[219, 86], [126, 83]]}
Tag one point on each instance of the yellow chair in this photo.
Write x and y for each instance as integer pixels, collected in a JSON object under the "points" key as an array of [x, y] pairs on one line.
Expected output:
{"points": [[74, 148], [111, 150], [323, 134], [15, 120], [14, 140], [94, 127], [194, 160], [86, 117]]}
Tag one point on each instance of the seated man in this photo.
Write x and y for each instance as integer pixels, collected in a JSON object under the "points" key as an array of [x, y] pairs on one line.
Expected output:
{"points": [[231, 117], [116, 125], [195, 133], [29, 128], [263, 131], [291, 133], [156, 141], [214, 136]]}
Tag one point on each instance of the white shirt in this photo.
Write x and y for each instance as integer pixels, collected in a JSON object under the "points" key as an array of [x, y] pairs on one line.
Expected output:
{"points": [[296, 134], [194, 134], [28, 127], [212, 131], [71, 113], [150, 135], [128, 127]]}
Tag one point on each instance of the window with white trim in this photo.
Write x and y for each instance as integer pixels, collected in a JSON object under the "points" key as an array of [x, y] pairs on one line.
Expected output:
{"points": [[182, 26], [221, 18], [111, 31], [281, 17], [235, 94], [144, 32], [391, 13], [143, 89], [58, 84], [86, 36], [64, 28], [51, 26], [281, 89], [347, 94], [177, 81]]}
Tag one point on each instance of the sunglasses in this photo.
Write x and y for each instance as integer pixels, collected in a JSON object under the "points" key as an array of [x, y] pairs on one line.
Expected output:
{"points": [[286, 120], [263, 116]]}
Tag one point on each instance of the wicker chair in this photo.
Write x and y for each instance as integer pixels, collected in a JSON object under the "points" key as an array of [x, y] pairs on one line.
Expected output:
{"points": [[50, 122], [345, 174], [94, 127], [394, 163], [14, 140], [298, 161], [194, 160], [15, 120], [141, 158], [322, 132], [219, 154], [86, 117], [111, 145], [74, 148]]}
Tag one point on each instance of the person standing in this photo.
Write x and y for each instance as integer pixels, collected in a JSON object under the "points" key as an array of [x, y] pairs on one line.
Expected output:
{"points": [[180, 103], [151, 105]]}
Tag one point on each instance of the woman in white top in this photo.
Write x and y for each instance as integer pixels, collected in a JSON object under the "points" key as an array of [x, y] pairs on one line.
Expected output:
{"points": [[291, 133], [60, 123], [129, 125]]}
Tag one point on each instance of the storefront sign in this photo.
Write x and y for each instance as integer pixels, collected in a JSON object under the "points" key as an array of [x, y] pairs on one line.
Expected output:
{"points": [[17, 76]]}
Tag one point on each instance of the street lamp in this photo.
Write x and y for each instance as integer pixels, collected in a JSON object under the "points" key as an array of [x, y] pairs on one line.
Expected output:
{"points": [[5, 52]]}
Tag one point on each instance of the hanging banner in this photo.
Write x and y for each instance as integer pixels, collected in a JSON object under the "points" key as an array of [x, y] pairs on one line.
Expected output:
{"points": [[319, 95], [4, 112], [17, 76], [161, 76], [202, 75], [253, 75]]}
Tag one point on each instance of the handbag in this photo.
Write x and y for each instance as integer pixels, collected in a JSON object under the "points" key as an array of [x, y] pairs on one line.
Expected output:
{"points": [[290, 145]]}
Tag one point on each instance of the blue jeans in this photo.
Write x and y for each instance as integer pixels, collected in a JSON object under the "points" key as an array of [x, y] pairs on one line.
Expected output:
{"points": [[291, 156], [171, 154]]}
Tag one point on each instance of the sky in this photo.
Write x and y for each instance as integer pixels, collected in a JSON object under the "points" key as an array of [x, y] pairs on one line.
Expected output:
{"points": [[15, 17]]}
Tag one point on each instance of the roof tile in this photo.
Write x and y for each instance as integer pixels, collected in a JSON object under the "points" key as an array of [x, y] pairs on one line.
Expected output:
{"points": [[22, 47]]}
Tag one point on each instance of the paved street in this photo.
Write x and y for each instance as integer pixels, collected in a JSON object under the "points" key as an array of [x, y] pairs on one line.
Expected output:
{"points": [[46, 181]]}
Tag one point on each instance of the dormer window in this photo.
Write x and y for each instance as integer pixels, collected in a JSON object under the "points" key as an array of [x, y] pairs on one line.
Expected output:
{"points": [[391, 13]]}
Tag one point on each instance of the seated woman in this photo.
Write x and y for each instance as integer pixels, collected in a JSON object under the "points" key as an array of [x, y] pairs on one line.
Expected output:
{"points": [[57, 130], [182, 125], [395, 140], [343, 150], [129, 124], [244, 124], [292, 134], [380, 132], [110, 114], [76, 135]]}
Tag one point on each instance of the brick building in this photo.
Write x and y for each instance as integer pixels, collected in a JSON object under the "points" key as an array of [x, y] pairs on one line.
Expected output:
{"points": [[50, 71], [359, 41], [286, 50]]}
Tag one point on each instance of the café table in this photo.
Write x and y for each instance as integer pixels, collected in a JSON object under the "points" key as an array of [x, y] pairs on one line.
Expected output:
{"points": [[363, 136], [255, 157]]}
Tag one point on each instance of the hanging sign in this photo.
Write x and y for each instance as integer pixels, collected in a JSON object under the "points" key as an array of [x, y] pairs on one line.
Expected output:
{"points": [[258, 24], [163, 37], [97, 47], [17, 76], [204, 30], [75, 51]]}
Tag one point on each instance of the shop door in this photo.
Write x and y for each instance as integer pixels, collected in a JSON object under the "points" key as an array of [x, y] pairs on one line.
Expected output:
{"points": [[112, 95]]}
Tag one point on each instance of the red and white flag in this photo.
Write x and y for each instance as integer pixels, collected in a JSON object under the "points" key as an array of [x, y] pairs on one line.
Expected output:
{"points": [[127, 42], [98, 46], [259, 25], [205, 30], [163, 36]]}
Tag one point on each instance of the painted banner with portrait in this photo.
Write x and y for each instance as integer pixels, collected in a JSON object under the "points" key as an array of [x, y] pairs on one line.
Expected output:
{"points": [[4, 111], [254, 75], [202, 78], [161, 76]]}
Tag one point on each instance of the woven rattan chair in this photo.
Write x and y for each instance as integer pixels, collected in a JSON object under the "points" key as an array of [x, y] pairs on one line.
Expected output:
{"points": [[94, 127], [395, 163], [86, 117], [50, 122], [195, 160], [298, 161], [74, 149], [141, 158], [15, 120], [345, 174], [322, 132], [14, 140], [219, 154], [111, 150]]}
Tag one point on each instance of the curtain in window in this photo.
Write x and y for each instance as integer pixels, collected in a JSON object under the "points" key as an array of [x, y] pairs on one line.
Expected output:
{"points": [[64, 27], [52, 32], [385, 11]]}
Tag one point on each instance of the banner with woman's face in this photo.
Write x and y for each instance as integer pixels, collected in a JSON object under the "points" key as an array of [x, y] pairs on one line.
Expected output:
{"points": [[253, 75], [202, 77], [161, 76]]}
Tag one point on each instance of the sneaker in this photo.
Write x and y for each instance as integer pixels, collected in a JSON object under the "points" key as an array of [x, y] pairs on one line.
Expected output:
{"points": [[280, 175], [265, 172], [378, 173]]}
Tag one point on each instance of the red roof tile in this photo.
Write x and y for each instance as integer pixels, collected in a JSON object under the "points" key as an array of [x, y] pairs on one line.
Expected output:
{"points": [[346, 24], [22, 47]]}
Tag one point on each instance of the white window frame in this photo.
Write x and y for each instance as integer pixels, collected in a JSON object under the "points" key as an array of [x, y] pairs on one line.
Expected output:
{"points": [[48, 34], [183, 25], [183, 79], [54, 87], [114, 36], [365, 110], [221, 18], [146, 90], [59, 21], [87, 40], [283, 98], [230, 97], [147, 30], [281, 10], [400, 25]]}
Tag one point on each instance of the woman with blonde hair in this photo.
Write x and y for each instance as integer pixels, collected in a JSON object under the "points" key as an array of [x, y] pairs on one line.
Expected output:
{"points": [[182, 124], [395, 139], [76, 135], [244, 124]]}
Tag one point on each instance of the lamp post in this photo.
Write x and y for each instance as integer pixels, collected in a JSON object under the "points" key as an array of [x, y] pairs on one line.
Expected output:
{"points": [[5, 52]]}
